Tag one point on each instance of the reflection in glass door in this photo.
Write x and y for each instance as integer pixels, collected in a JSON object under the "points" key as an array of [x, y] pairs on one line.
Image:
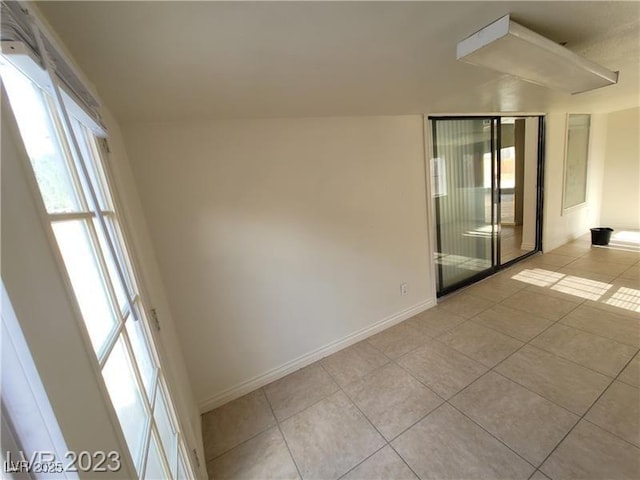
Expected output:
{"points": [[463, 173]]}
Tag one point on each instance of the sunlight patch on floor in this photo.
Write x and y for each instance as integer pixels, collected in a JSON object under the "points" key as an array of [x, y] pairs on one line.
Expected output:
{"points": [[623, 297], [538, 277], [627, 298], [627, 236], [582, 287], [623, 240]]}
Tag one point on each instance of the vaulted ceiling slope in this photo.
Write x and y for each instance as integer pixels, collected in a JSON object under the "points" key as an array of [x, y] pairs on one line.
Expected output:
{"points": [[182, 61]]}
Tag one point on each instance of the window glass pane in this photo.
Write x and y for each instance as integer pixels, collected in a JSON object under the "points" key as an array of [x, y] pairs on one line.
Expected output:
{"points": [[126, 397], [111, 266], [155, 468], [90, 157], [86, 278], [166, 430], [121, 250], [141, 351], [41, 142], [124, 258]]}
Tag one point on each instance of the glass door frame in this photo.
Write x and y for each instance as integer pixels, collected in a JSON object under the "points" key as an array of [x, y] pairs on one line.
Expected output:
{"points": [[496, 204]]}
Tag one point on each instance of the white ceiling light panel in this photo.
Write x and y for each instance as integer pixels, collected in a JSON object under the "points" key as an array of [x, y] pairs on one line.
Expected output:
{"points": [[508, 47]]}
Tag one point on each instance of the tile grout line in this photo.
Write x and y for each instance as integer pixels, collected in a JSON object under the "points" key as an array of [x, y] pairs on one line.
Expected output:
{"points": [[360, 463], [388, 442], [479, 311], [622, 371], [338, 388], [636, 350], [553, 323], [388, 357], [247, 439], [597, 334], [491, 434], [610, 432], [588, 272], [310, 405], [500, 303], [284, 439], [403, 460], [477, 322], [582, 417], [536, 393], [428, 339], [429, 387], [273, 414], [394, 361], [363, 414], [238, 444], [277, 422], [426, 414], [436, 338], [447, 401], [534, 472], [533, 338], [565, 359], [493, 369]]}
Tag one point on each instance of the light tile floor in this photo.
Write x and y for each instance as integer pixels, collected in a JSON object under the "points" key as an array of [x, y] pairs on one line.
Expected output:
{"points": [[532, 373]]}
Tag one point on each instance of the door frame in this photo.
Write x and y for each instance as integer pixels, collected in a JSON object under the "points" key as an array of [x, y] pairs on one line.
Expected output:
{"points": [[433, 214]]}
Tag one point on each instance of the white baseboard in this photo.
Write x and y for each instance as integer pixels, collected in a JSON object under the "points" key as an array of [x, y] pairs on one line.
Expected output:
{"points": [[527, 246], [274, 374]]}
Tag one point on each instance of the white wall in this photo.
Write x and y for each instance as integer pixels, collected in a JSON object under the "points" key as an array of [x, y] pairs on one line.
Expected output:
{"points": [[49, 317], [278, 239], [621, 181], [144, 254], [559, 226]]}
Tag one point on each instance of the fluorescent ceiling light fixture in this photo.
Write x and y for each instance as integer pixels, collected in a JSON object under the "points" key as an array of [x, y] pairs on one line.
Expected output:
{"points": [[508, 47]]}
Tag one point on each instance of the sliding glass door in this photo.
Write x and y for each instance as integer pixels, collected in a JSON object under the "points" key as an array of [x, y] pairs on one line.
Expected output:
{"points": [[518, 187], [463, 172], [485, 173]]}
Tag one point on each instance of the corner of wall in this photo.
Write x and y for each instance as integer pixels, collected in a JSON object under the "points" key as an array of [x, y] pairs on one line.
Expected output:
{"points": [[620, 196]]}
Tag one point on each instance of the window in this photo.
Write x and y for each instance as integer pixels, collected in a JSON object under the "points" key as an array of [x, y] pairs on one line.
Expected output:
{"points": [[67, 160]]}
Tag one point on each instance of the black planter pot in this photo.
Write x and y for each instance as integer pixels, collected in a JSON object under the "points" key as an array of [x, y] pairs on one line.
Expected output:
{"points": [[601, 235]]}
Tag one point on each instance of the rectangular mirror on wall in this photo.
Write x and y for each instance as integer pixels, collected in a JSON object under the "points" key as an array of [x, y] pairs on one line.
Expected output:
{"points": [[485, 177], [576, 160]]}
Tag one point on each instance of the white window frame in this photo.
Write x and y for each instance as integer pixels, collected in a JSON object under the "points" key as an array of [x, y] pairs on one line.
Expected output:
{"points": [[137, 306]]}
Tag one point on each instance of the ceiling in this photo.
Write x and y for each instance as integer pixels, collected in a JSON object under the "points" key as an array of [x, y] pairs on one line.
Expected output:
{"points": [[183, 61]]}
